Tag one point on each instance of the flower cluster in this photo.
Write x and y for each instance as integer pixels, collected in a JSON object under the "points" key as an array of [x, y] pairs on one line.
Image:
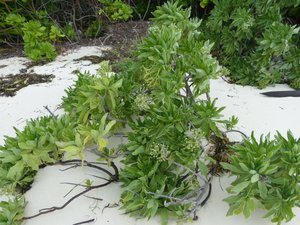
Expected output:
{"points": [[159, 151], [142, 101], [192, 139]]}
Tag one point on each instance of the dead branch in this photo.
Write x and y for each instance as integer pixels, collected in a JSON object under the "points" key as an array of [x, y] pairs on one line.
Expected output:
{"points": [[74, 163]]}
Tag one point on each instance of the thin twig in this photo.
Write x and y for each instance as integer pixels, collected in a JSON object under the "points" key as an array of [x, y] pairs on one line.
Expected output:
{"points": [[72, 189], [55, 208], [86, 221], [188, 169], [226, 80], [94, 198], [110, 206], [102, 178], [71, 167], [147, 9], [51, 113]]}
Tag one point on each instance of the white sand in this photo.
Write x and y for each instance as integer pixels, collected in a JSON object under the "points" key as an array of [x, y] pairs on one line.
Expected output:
{"points": [[255, 112]]}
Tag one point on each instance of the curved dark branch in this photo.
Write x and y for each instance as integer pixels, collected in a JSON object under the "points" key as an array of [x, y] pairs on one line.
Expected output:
{"points": [[55, 208], [77, 162], [74, 163], [236, 131]]}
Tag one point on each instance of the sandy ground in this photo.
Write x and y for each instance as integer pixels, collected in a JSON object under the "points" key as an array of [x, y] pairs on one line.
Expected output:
{"points": [[255, 112]]}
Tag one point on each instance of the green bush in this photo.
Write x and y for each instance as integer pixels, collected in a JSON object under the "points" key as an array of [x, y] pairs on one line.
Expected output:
{"points": [[116, 10], [267, 176], [255, 40], [12, 211], [38, 39], [35, 146], [166, 170], [41, 24]]}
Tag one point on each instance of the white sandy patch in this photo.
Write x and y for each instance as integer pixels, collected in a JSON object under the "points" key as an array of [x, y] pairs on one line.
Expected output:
{"points": [[255, 112], [12, 65]]}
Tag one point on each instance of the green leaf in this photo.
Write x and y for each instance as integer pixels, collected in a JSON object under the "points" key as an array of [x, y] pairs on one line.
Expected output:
{"points": [[15, 172], [240, 187], [132, 147], [109, 126], [72, 150], [26, 145], [203, 168], [42, 141], [244, 167], [103, 122], [78, 141], [164, 216], [249, 207], [263, 190], [117, 84], [255, 178], [154, 207], [102, 143], [151, 203], [239, 207], [62, 144], [231, 168], [32, 161], [139, 150]]}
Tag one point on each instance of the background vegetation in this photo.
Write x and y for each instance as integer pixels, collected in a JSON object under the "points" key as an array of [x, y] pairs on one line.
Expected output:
{"points": [[262, 36], [257, 40]]}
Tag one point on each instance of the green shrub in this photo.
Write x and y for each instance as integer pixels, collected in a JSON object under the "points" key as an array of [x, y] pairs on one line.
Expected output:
{"points": [[267, 176], [166, 170], [254, 40], [35, 146], [116, 10], [41, 24], [36, 36], [94, 95], [36, 40], [12, 211]]}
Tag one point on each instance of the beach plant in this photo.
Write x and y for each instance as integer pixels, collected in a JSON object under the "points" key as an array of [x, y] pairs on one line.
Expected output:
{"points": [[167, 169], [116, 10], [256, 40], [32, 148], [176, 136], [267, 176], [38, 39], [39, 24], [12, 211]]}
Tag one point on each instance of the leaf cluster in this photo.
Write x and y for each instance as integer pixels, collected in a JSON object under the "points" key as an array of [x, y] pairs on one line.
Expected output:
{"points": [[267, 176], [94, 136], [116, 10], [33, 147], [96, 106], [38, 37], [12, 211], [94, 95]]}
